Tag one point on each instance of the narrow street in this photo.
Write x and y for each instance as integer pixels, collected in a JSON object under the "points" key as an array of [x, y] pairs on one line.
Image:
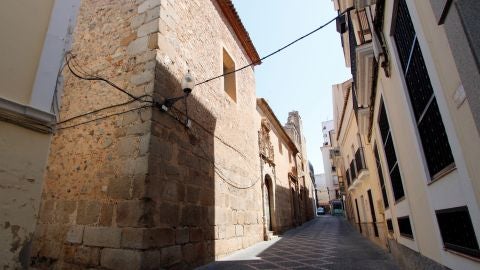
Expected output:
{"points": [[323, 243]]}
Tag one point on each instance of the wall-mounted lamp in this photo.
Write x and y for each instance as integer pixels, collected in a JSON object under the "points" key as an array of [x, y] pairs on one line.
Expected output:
{"points": [[188, 83]]}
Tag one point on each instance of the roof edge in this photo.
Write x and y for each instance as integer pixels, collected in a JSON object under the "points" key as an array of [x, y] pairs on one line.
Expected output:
{"points": [[233, 18]]}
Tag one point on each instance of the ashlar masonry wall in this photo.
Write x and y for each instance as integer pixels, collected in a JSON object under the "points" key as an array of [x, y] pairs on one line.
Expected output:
{"points": [[138, 190]]}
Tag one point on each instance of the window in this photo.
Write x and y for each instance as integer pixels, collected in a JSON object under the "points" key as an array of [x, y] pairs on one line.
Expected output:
{"points": [[280, 147], [434, 140], [372, 212], [457, 230], [389, 225], [358, 215], [347, 175], [229, 83], [380, 176], [391, 156], [405, 227]]}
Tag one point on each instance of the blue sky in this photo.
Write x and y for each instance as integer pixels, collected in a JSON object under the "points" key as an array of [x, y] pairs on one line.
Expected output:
{"points": [[301, 76]]}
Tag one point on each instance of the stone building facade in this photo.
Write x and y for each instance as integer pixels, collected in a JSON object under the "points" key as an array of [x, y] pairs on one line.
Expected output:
{"points": [[294, 128], [411, 99], [137, 187], [288, 198]]}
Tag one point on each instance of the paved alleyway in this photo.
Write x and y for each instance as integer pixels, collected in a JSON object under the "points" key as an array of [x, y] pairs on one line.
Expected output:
{"points": [[323, 243]]}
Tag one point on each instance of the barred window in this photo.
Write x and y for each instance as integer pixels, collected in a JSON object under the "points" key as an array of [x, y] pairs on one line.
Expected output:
{"points": [[391, 156], [457, 230], [434, 140], [380, 176], [405, 227]]}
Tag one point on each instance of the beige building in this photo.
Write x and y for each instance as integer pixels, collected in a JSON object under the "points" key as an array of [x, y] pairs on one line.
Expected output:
{"points": [[288, 193], [414, 115], [35, 36]]}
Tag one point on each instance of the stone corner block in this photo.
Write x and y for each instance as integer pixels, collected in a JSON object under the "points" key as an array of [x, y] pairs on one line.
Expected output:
{"points": [[149, 4], [102, 237]]}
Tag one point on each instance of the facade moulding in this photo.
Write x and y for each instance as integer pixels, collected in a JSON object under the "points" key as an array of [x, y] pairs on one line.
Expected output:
{"points": [[26, 116]]}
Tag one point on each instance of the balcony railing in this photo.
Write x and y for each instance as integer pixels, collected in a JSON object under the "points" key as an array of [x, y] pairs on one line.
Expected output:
{"points": [[360, 160]]}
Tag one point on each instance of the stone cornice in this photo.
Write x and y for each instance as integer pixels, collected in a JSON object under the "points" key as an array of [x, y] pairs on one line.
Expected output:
{"points": [[26, 116], [232, 17]]}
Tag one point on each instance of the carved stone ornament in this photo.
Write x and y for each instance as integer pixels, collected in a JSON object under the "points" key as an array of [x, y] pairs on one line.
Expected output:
{"points": [[266, 147]]}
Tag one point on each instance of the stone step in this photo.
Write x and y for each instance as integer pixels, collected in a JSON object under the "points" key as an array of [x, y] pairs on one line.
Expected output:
{"points": [[271, 236]]}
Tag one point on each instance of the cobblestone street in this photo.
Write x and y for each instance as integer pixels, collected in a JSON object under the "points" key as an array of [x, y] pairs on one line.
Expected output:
{"points": [[324, 243]]}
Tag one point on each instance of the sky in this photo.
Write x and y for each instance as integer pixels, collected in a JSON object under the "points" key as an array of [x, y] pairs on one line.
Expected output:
{"points": [[300, 77]]}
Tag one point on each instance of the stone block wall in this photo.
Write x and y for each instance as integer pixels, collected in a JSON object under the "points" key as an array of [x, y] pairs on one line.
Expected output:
{"points": [[93, 201], [212, 169], [138, 190]]}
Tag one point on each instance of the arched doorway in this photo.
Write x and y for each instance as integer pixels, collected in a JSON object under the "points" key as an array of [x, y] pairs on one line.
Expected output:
{"points": [[269, 200]]}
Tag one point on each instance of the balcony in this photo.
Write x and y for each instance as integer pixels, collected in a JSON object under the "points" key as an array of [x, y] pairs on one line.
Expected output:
{"points": [[358, 169], [360, 163], [364, 48]]}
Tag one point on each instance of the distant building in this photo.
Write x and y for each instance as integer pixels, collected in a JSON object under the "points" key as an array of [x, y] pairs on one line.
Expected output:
{"points": [[331, 178], [323, 197], [288, 195]]}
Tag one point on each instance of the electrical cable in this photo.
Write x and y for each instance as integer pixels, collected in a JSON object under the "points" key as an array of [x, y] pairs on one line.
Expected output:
{"points": [[81, 74], [277, 51], [104, 117], [97, 110], [97, 78]]}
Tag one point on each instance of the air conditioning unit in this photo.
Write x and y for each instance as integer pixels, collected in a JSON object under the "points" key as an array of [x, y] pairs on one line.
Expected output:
{"points": [[359, 4]]}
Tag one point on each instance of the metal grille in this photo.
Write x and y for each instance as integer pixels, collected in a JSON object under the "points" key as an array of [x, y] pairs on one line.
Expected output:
{"points": [[390, 153], [434, 141], [418, 83], [405, 227], [457, 230], [404, 33], [436, 147], [389, 149], [380, 176]]}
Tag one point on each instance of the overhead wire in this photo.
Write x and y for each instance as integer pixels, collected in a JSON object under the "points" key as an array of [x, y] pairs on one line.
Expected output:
{"points": [[87, 77], [82, 74], [104, 117], [277, 51], [77, 70]]}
